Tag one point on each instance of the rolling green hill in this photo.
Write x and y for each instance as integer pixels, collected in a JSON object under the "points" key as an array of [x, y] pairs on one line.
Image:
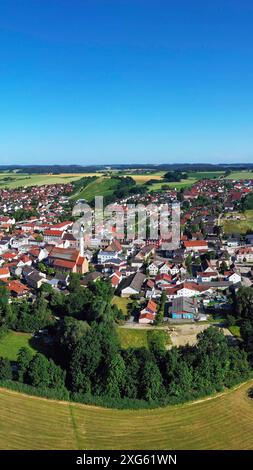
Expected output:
{"points": [[102, 186]]}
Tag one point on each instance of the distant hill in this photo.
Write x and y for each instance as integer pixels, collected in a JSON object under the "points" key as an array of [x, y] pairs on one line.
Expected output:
{"points": [[58, 169]]}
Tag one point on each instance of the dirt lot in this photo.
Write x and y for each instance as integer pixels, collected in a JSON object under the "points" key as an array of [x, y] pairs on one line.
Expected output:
{"points": [[187, 334]]}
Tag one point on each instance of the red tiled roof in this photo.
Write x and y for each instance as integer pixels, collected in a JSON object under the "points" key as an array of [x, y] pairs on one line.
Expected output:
{"points": [[53, 233], [4, 271], [194, 243], [61, 263], [152, 305], [208, 274], [149, 316], [17, 287], [80, 261]]}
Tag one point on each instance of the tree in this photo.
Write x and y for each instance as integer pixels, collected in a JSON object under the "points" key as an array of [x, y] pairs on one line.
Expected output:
{"points": [[23, 361], [5, 308], [45, 373], [183, 379], [246, 330], [223, 267], [151, 384], [70, 332], [157, 341], [115, 376], [132, 373], [161, 307], [85, 360], [74, 282], [5, 369], [244, 302], [231, 320], [38, 373], [56, 376]]}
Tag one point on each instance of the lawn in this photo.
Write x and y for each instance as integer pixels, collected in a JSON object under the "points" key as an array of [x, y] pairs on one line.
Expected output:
{"points": [[20, 179], [222, 422], [122, 303], [12, 342], [238, 226], [235, 331], [133, 338], [141, 337]]}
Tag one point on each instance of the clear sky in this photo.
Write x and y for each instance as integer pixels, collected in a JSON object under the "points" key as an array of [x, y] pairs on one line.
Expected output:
{"points": [[126, 81]]}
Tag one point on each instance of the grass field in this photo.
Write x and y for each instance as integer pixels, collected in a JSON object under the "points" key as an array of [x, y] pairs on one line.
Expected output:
{"points": [[200, 175], [184, 183], [122, 303], [102, 186], [18, 179], [133, 338], [222, 422], [140, 338], [240, 175], [235, 330], [238, 226], [12, 342]]}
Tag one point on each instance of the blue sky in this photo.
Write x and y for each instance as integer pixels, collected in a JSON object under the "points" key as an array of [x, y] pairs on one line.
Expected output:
{"points": [[126, 81]]}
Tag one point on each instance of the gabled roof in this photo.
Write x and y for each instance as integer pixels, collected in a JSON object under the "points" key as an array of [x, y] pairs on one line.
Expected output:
{"points": [[69, 254], [62, 263], [133, 281]]}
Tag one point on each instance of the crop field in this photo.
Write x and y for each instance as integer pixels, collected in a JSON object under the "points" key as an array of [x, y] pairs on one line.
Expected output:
{"points": [[142, 179], [184, 183], [221, 422], [15, 180], [242, 225], [12, 342], [200, 175], [240, 175]]}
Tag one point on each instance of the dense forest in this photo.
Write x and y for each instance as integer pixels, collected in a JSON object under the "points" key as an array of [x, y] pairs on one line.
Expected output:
{"points": [[88, 364]]}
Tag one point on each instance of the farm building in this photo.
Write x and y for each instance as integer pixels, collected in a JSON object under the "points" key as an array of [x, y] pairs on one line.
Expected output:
{"points": [[183, 308]]}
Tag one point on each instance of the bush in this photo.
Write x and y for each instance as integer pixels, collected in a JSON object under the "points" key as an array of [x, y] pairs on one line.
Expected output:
{"points": [[62, 394]]}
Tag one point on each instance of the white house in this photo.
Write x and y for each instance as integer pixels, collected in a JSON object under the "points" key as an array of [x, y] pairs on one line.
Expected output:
{"points": [[131, 285], [234, 277], [104, 256], [207, 276], [148, 314], [165, 269], [244, 255], [4, 246], [153, 269], [186, 289]]}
